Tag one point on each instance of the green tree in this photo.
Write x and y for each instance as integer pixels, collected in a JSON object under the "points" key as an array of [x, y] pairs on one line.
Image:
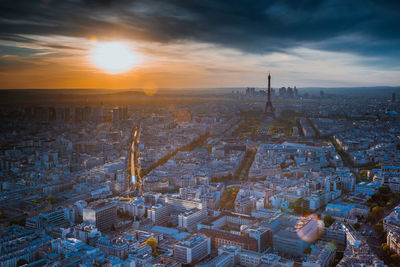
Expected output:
{"points": [[378, 228], [307, 250], [228, 198], [395, 259], [385, 247], [152, 242], [19, 222], [22, 262], [51, 199], [155, 254], [364, 175], [376, 212], [384, 190], [298, 206], [328, 220]]}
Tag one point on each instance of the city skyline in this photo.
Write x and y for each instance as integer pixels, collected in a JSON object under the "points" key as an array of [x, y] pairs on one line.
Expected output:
{"points": [[207, 133], [179, 44]]}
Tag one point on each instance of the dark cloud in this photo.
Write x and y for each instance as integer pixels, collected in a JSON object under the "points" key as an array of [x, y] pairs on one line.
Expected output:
{"points": [[19, 51], [370, 26]]}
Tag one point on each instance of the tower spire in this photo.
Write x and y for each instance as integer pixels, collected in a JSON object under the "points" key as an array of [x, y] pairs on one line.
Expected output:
{"points": [[269, 109]]}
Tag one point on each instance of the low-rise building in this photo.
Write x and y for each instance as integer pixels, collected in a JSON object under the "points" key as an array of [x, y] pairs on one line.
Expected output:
{"points": [[322, 255], [391, 223], [336, 234], [222, 238], [192, 249], [393, 241], [189, 219], [141, 256], [86, 233], [236, 256], [17, 243], [118, 247]]}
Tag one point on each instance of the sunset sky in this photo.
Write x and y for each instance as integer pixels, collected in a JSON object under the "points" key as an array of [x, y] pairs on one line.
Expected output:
{"points": [[200, 44]]}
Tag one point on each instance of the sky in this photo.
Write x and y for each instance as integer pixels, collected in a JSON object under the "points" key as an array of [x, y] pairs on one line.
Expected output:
{"points": [[201, 44]]}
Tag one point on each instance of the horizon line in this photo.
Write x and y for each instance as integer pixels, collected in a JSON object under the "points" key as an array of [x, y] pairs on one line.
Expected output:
{"points": [[198, 88]]}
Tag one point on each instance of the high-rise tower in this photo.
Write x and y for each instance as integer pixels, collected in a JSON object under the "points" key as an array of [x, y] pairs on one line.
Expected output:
{"points": [[269, 109]]}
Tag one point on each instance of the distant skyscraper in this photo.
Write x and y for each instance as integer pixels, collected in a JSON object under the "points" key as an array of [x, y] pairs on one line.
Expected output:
{"points": [[393, 97], [86, 113], [269, 109], [97, 114], [78, 114], [290, 92], [52, 114], [125, 113], [250, 91], [115, 115], [282, 91]]}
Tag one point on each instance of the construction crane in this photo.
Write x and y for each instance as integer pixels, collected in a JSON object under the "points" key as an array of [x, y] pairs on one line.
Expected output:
{"points": [[135, 181]]}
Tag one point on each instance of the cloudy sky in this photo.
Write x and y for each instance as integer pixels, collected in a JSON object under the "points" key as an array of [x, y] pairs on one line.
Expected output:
{"points": [[196, 44]]}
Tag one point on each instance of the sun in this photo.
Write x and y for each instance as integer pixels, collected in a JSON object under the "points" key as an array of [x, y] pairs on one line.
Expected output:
{"points": [[113, 57]]}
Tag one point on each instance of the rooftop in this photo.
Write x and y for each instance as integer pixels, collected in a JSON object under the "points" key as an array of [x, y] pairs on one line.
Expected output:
{"points": [[192, 240]]}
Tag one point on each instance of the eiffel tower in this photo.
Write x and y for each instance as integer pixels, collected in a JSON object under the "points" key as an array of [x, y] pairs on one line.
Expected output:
{"points": [[269, 109]]}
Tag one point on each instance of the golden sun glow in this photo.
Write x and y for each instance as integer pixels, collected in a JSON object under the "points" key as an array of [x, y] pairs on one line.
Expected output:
{"points": [[113, 57]]}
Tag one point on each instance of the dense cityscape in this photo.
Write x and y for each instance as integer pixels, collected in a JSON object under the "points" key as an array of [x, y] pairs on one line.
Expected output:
{"points": [[214, 133], [239, 178]]}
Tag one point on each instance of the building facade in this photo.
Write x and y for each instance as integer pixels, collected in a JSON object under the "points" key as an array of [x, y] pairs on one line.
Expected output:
{"points": [[102, 214], [192, 249]]}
